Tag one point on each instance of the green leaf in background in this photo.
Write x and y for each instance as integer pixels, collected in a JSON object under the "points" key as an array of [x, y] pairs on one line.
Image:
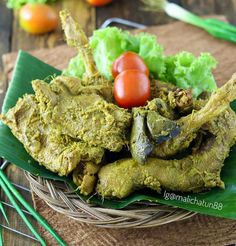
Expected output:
{"points": [[15, 4], [216, 202]]}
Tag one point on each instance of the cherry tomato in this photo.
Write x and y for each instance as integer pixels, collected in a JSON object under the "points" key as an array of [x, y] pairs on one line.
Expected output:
{"points": [[38, 18], [98, 3], [129, 60], [132, 89]]}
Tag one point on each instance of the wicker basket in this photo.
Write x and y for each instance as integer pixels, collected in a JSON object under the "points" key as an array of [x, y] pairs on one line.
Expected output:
{"points": [[139, 215]]}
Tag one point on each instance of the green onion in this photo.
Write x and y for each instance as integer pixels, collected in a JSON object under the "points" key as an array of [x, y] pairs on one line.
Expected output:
{"points": [[18, 209], [1, 239], [5, 216], [216, 28], [220, 24], [3, 212], [37, 216]]}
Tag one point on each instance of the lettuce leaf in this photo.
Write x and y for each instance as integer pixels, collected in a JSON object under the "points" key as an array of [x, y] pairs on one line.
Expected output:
{"points": [[15, 4], [152, 53], [187, 71], [75, 68], [108, 44]]}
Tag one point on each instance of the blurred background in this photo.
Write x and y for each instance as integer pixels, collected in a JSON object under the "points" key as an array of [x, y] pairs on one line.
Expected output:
{"points": [[12, 37]]}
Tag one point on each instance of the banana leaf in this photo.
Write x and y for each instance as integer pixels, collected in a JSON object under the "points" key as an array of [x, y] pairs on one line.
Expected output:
{"points": [[216, 202]]}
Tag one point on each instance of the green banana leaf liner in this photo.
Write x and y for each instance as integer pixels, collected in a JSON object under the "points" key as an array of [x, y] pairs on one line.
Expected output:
{"points": [[216, 202]]}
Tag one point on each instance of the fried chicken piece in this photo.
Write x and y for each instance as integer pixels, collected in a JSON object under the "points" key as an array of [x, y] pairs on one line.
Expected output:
{"points": [[86, 117], [160, 89], [160, 106], [85, 177], [180, 100], [190, 124], [45, 142], [194, 173], [76, 86], [76, 38]]}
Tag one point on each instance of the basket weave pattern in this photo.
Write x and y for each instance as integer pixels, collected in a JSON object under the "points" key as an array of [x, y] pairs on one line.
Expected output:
{"points": [[138, 215]]}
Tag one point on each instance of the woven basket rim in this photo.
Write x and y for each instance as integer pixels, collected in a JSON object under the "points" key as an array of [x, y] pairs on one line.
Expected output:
{"points": [[62, 199]]}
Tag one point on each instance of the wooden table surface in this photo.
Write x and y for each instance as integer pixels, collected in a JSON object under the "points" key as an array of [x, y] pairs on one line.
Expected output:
{"points": [[12, 38]]}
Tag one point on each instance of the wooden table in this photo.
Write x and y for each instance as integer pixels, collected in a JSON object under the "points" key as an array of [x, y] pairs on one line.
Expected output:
{"points": [[12, 38]]}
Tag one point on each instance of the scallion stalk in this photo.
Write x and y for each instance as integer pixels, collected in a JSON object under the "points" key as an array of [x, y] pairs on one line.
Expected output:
{"points": [[4, 213], [216, 28], [1, 239], [221, 24], [18, 209], [177, 12], [36, 215]]}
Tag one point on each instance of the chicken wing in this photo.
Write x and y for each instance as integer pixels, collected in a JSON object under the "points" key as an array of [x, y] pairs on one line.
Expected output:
{"points": [[85, 177], [86, 117], [190, 124], [76, 38]]}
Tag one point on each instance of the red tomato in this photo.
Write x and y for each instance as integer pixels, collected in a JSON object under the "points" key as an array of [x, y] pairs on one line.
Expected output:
{"points": [[38, 18], [132, 89], [129, 60], [99, 2]]}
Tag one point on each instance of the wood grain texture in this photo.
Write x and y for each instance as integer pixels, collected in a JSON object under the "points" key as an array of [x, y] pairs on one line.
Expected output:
{"points": [[58, 57], [5, 42], [131, 10], [200, 7], [5, 27], [200, 230], [25, 41], [209, 7]]}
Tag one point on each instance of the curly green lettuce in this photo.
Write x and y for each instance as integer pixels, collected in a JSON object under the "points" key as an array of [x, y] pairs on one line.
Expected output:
{"points": [[183, 69], [15, 4], [75, 68], [108, 44], [152, 53], [187, 71]]}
